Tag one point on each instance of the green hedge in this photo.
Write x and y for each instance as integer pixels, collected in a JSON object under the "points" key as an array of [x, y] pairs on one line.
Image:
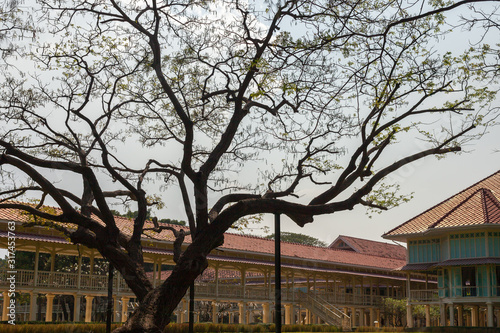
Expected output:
{"points": [[449, 329], [42, 327]]}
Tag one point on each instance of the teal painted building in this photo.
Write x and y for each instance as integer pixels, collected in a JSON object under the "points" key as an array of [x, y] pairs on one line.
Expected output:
{"points": [[457, 244]]}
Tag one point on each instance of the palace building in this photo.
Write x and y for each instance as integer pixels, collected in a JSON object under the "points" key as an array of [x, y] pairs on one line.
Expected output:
{"points": [[452, 262], [458, 240]]}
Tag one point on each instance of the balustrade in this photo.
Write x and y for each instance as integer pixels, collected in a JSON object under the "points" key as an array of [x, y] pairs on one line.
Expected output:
{"points": [[427, 295], [99, 283]]}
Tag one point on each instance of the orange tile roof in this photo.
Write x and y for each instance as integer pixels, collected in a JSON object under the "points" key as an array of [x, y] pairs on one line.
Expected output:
{"points": [[478, 204], [366, 246], [257, 245]]}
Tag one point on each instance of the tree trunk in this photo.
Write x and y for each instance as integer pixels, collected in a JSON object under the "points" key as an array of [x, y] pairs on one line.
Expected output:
{"points": [[156, 308]]}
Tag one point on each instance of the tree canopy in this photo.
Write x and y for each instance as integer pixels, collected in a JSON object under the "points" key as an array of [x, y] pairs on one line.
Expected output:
{"points": [[293, 107], [299, 238]]}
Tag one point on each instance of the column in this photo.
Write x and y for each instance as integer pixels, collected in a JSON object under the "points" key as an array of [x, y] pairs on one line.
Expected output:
{"points": [[288, 314], [37, 256], [266, 313], [178, 316], [460, 315], [442, 313], [353, 316], [489, 314], [409, 315], [242, 312], [124, 309], [215, 318], [475, 315], [154, 272], [76, 311], [184, 306], [427, 315], [5, 307], [33, 298], [216, 281], [88, 308], [116, 305], [362, 317], [372, 319], [243, 273], [346, 313], [79, 277], [452, 314], [92, 262], [49, 307], [231, 317]]}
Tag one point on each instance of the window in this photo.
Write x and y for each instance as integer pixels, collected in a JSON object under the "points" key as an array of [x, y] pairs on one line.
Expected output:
{"points": [[424, 250], [494, 244], [469, 281], [498, 280], [469, 245]]}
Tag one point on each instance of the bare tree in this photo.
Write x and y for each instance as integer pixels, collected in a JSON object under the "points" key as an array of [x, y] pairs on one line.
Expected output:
{"points": [[290, 82]]}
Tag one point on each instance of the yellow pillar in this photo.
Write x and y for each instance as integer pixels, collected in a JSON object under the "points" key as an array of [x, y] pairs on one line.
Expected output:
{"points": [[242, 312], [5, 307], [371, 321], [460, 315], [409, 315], [427, 315], [266, 313], [124, 309], [215, 317], [288, 314], [468, 321], [475, 315], [48, 309], [353, 316], [115, 309], [88, 308], [184, 311], [33, 304]]}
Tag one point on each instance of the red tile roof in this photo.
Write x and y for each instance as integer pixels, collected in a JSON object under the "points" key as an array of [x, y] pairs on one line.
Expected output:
{"points": [[478, 204], [257, 245], [366, 246]]}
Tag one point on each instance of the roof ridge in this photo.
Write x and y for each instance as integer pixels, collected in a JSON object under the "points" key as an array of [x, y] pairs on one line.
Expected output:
{"points": [[370, 240], [362, 253], [488, 194], [442, 202]]}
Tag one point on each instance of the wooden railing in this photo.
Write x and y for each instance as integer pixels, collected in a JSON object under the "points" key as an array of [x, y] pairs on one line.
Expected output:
{"points": [[328, 312], [70, 282], [428, 295]]}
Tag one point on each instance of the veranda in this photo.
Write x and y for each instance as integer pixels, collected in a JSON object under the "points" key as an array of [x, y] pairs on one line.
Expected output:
{"points": [[319, 285]]}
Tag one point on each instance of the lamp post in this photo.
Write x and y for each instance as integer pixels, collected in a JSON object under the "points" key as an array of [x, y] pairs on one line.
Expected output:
{"points": [[277, 271], [109, 310]]}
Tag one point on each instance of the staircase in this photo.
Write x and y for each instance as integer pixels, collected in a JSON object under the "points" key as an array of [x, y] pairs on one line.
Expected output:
{"points": [[329, 313]]}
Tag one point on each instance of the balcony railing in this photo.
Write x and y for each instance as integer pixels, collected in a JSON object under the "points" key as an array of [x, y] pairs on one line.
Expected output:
{"points": [[430, 295], [71, 282]]}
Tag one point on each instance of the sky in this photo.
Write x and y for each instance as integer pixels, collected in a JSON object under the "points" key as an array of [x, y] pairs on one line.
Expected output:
{"points": [[430, 180]]}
